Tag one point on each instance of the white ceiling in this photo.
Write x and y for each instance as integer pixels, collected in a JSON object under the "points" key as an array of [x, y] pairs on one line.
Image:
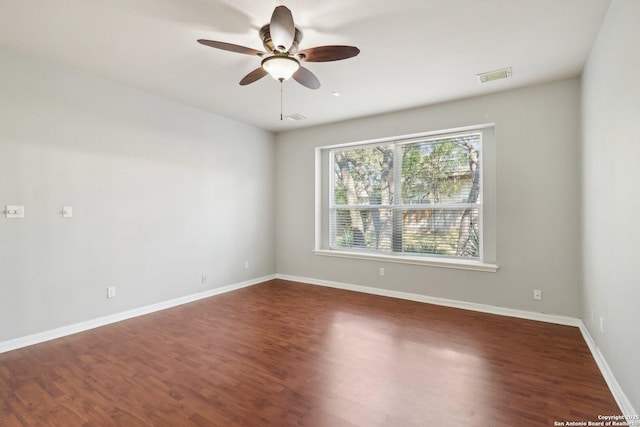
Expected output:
{"points": [[413, 52]]}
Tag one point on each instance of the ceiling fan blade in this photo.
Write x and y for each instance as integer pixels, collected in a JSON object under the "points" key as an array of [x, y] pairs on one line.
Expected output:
{"points": [[306, 78], [282, 28], [328, 53], [231, 47], [253, 76]]}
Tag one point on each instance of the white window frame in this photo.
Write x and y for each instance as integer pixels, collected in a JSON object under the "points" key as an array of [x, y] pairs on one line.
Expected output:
{"points": [[324, 182]]}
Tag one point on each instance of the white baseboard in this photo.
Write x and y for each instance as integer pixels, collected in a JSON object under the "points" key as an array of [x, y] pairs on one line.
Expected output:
{"points": [[616, 390], [491, 309], [117, 317]]}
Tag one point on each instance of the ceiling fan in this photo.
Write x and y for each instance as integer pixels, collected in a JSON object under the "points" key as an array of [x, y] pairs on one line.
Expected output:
{"points": [[282, 59]]}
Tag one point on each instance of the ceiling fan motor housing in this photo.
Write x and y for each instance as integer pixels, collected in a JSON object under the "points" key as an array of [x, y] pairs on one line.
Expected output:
{"points": [[265, 35]]}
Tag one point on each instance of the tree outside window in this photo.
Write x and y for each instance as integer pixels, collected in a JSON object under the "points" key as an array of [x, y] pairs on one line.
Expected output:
{"points": [[417, 197]]}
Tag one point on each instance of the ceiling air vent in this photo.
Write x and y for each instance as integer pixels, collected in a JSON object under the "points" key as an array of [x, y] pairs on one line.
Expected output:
{"points": [[494, 75], [295, 117]]}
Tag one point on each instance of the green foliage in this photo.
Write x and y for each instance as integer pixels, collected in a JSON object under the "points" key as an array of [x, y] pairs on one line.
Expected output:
{"points": [[367, 170], [432, 170], [340, 195]]}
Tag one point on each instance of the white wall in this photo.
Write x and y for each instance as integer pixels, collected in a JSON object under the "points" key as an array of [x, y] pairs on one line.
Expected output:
{"points": [[161, 193], [538, 200], [611, 206]]}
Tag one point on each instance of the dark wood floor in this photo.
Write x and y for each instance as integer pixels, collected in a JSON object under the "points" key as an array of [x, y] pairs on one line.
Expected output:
{"points": [[288, 354]]}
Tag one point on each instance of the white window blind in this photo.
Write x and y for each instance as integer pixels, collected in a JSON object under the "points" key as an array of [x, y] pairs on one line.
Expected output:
{"points": [[418, 197]]}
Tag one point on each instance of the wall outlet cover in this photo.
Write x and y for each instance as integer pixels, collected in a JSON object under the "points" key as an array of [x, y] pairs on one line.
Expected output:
{"points": [[14, 211]]}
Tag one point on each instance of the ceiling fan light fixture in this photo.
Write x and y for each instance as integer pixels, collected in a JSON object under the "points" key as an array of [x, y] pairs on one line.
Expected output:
{"points": [[280, 67]]}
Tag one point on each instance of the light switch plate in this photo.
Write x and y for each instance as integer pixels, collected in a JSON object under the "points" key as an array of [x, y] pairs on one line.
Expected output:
{"points": [[14, 211], [67, 212]]}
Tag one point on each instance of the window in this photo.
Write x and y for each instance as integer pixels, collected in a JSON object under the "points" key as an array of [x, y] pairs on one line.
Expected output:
{"points": [[418, 199]]}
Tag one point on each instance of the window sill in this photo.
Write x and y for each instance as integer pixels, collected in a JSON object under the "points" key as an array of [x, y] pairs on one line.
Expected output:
{"points": [[402, 259]]}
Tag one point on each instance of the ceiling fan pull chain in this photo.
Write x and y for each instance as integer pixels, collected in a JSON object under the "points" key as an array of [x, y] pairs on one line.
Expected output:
{"points": [[281, 83]]}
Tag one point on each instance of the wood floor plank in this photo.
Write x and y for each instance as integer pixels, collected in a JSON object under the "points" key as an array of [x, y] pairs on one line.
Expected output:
{"points": [[287, 354]]}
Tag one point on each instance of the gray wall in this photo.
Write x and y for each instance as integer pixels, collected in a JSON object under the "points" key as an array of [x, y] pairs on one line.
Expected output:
{"points": [[151, 181], [611, 206], [161, 194], [538, 201]]}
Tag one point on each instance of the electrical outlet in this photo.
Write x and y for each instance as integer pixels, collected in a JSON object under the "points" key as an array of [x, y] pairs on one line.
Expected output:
{"points": [[537, 294], [381, 271], [14, 211], [111, 292], [246, 265], [67, 211], [204, 278], [601, 324]]}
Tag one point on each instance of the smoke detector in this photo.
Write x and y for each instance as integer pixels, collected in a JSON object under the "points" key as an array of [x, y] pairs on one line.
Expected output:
{"points": [[494, 75]]}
